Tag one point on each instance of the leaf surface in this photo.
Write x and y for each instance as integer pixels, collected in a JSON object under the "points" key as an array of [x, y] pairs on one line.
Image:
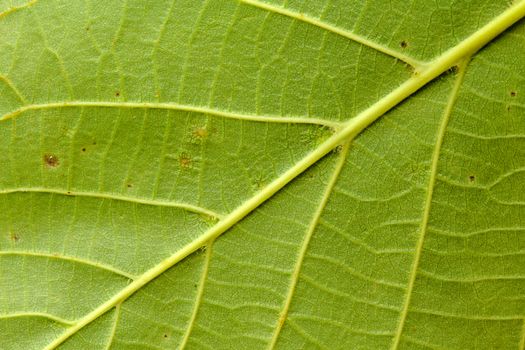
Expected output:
{"points": [[257, 174]]}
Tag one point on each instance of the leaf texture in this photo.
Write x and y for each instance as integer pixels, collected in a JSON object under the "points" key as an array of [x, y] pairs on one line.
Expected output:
{"points": [[262, 174]]}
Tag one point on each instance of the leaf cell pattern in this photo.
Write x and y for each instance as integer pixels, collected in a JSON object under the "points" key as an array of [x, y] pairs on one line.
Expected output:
{"points": [[262, 174]]}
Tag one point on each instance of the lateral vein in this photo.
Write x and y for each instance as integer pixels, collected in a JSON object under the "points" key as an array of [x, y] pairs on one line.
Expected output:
{"points": [[200, 293], [38, 314], [71, 259], [428, 201], [16, 8], [114, 327], [334, 29], [308, 237], [156, 202], [170, 106]]}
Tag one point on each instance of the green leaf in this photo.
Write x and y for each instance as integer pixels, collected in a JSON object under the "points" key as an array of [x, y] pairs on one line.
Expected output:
{"points": [[262, 174]]}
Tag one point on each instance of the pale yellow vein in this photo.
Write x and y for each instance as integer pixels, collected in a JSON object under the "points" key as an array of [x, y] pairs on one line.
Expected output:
{"points": [[38, 314], [428, 201], [114, 327], [114, 196], [170, 106], [17, 8], [60, 256], [334, 29], [198, 299], [294, 278]]}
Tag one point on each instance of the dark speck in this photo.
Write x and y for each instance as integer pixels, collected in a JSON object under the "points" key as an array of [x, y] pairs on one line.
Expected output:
{"points": [[51, 160], [14, 237]]}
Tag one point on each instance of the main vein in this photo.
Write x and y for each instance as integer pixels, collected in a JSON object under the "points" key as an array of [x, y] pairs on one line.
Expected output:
{"points": [[428, 200], [349, 130]]}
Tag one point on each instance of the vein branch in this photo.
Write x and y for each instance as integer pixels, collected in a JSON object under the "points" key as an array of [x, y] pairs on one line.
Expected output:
{"points": [[170, 106], [114, 327], [16, 8], [200, 293], [334, 29], [13, 88], [72, 259], [308, 237], [428, 201], [50, 317], [119, 197]]}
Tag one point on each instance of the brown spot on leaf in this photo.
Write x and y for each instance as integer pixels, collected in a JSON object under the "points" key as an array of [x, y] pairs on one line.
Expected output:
{"points": [[185, 161], [117, 93], [472, 178], [14, 237], [83, 149], [403, 44], [513, 94], [51, 160]]}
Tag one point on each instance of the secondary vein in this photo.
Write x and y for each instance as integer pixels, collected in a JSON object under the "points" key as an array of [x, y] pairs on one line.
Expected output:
{"points": [[119, 197], [428, 201], [334, 29], [83, 261], [308, 237], [200, 293], [170, 106], [16, 8], [50, 317], [114, 327]]}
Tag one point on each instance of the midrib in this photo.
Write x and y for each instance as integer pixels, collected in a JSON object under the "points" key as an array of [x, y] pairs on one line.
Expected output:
{"points": [[348, 131]]}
